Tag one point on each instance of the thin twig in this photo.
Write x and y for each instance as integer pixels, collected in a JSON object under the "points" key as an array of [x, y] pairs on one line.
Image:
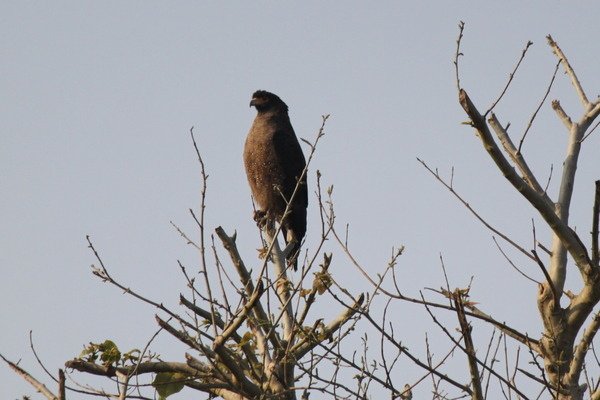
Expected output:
{"points": [[464, 350], [475, 213], [549, 178], [595, 219], [103, 274], [539, 107], [461, 28], [512, 263], [475, 312], [200, 223], [510, 78]]}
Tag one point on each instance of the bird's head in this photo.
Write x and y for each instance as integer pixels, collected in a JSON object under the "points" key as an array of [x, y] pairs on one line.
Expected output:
{"points": [[267, 101]]}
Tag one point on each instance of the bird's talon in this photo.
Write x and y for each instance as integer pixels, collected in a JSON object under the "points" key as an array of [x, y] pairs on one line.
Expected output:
{"points": [[260, 217]]}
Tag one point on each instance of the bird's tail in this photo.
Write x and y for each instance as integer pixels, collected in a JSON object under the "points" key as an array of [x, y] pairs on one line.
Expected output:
{"points": [[292, 257], [294, 229], [293, 252]]}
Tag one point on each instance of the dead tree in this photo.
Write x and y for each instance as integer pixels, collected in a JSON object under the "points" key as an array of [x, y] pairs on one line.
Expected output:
{"points": [[557, 358], [566, 338]]}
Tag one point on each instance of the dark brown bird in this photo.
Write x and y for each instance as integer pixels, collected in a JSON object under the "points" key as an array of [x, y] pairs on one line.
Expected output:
{"points": [[274, 162]]}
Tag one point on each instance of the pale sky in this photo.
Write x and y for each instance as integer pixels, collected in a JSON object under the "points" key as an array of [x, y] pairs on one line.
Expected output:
{"points": [[98, 99]]}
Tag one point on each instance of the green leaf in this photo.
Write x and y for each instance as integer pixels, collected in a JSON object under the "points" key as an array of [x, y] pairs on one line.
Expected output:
{"points": [[168, 383], [110, 352]]}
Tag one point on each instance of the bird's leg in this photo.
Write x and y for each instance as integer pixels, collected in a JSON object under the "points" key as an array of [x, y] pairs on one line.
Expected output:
{"points": [[260, 217], [265, 221]]}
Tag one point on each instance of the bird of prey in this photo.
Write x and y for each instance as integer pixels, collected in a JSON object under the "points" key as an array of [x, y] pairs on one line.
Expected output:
{"points": [[274, 163]]}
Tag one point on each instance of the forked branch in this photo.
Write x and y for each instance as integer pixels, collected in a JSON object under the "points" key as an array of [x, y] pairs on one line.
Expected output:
{"points": [[564, 232]]}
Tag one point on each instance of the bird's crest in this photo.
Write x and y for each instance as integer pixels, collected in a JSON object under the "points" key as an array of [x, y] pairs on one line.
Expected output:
{"points": [[264, 101]]}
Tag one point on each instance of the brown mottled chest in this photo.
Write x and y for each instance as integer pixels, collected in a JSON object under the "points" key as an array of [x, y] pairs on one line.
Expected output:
{"points": [[262, 164]]}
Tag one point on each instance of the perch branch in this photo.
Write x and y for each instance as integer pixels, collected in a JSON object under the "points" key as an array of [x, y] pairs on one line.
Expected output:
{"points": [[259, 313], [282, 284]]}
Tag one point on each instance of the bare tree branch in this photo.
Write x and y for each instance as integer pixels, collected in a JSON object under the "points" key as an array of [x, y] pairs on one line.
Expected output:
{"points": [[231, 329], [530, 123], [517, 157], [140, 369], [465, 328], [259, 313], [574, 80], [582, 349], [461, 28], [562, 230], [510, 78], [475, 213], [311, 341], [595, 218], [566, 120], [40, 387], [555, 294]]}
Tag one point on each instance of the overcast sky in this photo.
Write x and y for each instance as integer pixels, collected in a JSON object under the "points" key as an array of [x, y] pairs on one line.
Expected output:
{"points": [[97, 99]]}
